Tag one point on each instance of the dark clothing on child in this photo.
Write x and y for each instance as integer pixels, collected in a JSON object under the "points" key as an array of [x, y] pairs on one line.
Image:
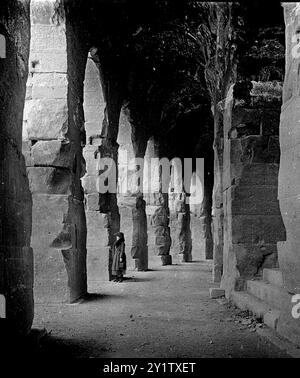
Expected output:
{"points": [[119, 259]]}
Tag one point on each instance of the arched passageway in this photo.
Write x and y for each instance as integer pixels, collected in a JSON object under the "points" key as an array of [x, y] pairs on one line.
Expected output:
{"points": [[172, 80]]}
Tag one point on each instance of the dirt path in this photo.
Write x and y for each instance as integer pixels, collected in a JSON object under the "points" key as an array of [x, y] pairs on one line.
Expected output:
{"points": [[165, 312]]}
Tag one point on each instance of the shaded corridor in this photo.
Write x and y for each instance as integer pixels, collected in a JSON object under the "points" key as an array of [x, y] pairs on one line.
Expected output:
{"points": [[165, 312]]}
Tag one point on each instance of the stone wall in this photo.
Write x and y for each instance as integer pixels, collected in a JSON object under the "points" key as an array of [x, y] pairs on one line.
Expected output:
{"points": [[252, 219], [16, 262], [289, 181]]}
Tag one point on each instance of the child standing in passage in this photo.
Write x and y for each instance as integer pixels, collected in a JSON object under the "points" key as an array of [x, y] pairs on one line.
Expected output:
{"points": [[119, 258]]}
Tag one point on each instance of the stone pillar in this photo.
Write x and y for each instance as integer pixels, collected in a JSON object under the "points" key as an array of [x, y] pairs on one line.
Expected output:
{"points": [[180, 218], [112, 92], [206, 209], [252, 220], [217, 195], [158, 207], [53, 136], [97, 240], [16, 258], [183, 238], [289, 179], [108, 204], [139, 249], [77, 53]]}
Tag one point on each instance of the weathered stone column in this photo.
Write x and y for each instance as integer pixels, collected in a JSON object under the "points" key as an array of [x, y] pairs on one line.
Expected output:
{"points": [[158, 206], [16, 258], [183, 241], [217, 196], [139, 248], [179, 213], [108, 204], [109, 149], [53, 138], [289, 179], [77, 53], [97, 240], [206, 208]]}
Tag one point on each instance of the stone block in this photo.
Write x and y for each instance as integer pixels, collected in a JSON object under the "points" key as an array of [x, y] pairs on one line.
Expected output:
{"points": [[26, 151], [75, 264], [50, 281], [141, 264], [162, 249], [150, 210], [162, 240], [162, 231], [166, 260], [273, 276], [247, 302], [51, 153], [251, 259], [215, 292], [91, 70], [271, 318], [92, 83], [89, 184], [49, 86], [160, 217], [93, 128], [49, 180], [93, 96], [289, 262], [257, 229], [253, 200], [93, 113], [42, 12], [48, 38], [45, 119], [275, 296], [260, 174], [159, 199], [91, 162], [47, 62], [92, 202]]}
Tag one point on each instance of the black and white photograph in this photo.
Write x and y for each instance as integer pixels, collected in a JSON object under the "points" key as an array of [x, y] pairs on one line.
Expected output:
{"points": [[149, 184]]}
